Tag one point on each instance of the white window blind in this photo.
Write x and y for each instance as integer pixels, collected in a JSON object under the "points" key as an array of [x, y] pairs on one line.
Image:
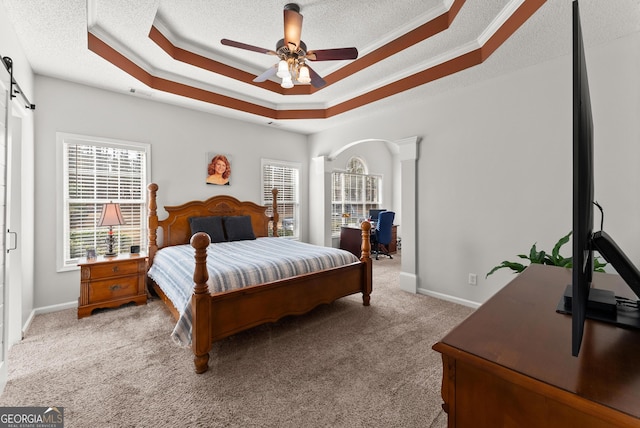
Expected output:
{"points": [[98, 171], [285, 177]]}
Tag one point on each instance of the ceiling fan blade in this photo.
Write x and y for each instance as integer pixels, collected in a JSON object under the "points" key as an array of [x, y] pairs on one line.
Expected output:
{"points": [[292, 26], [270, 72], [316, 80], [245, 46], [332, 54]]}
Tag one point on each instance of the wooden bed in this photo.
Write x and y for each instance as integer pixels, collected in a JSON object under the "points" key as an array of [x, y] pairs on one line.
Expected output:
{"points": [[219, 315]]}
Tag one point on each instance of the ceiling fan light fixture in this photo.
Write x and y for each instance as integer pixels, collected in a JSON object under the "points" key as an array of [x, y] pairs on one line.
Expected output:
{"points": [[287, 83], [292, 53], [303, 74], [283, 70]]}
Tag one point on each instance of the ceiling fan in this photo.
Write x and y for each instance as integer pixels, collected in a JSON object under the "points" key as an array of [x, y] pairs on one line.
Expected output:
{"points": [[293, 53]]}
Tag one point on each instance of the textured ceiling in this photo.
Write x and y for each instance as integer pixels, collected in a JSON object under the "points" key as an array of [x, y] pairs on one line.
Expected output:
{"points": [[57, 37]]}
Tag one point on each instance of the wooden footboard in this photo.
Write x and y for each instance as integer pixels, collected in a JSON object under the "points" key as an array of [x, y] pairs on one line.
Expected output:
{"points": [[219, 315]]}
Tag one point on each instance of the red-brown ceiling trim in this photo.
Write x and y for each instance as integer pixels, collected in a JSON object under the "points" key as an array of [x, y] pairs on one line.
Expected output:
{"points": [[414, 36], [116, 58], [214, 66], [108, 53], [423, 32], [515, 21], [470, 59]]}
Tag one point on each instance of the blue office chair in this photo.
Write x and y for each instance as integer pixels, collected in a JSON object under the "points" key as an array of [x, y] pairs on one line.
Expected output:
{"points": [[381, 235]]}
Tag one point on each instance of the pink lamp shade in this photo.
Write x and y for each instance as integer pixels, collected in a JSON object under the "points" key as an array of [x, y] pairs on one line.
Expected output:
{"points": [[111, 215]]}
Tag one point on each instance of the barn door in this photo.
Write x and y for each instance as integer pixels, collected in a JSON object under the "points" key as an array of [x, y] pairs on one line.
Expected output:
{"points": [[4, 130]]}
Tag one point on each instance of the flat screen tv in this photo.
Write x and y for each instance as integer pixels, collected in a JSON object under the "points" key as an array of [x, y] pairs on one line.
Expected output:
{"points": [[580, 299]]}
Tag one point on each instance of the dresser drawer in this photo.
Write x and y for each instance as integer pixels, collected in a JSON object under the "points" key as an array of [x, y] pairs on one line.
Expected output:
{"points": [[108, 270], [109, 289]]}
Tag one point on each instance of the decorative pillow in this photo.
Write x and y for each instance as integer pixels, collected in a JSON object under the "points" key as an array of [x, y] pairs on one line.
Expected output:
{"points": [[211, 225], [238, 228]]}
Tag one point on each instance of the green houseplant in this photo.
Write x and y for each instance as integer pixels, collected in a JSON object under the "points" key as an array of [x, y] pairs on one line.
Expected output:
{"points": [[544, 258]]}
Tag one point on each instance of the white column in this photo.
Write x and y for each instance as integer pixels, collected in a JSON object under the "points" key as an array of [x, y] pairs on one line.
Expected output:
{"points": [[320, 202], [409, 179]]}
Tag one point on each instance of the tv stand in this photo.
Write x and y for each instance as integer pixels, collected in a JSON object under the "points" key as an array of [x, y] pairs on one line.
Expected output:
{"points": [[603, 306], [510, 364]]}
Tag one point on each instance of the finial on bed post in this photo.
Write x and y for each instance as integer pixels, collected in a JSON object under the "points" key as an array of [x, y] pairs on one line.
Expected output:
{"points": [[365, 257], [153, 221], [276, 216], [200, 305]]}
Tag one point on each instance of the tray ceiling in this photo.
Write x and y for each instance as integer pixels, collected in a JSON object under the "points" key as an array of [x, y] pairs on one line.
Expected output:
{"points": [[170, 50]]}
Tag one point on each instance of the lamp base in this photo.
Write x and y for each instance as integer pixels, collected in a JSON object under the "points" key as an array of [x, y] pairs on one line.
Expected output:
{"points": [[110, 242]]}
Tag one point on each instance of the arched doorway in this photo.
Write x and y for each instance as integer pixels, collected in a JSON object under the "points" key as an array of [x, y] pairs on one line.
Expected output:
{"points": [[406, 153]]}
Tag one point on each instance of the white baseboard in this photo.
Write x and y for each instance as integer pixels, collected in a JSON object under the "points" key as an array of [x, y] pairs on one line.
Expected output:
{"points": [[408, 282], [47, 309], [449, 298]]}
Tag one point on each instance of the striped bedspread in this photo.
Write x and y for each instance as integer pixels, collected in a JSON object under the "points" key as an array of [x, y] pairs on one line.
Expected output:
{"points": [[234, 265]]}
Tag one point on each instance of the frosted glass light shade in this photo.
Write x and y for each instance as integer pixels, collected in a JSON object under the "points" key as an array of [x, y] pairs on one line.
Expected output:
{"points": [[287, 83], [283, 69], [303, 75]]}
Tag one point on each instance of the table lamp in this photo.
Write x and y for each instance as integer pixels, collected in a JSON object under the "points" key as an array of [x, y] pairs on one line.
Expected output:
{"points": [[111, 216]]}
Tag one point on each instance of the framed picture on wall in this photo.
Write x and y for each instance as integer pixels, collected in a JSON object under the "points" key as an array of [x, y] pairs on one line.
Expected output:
{"points": [[218, 169]]}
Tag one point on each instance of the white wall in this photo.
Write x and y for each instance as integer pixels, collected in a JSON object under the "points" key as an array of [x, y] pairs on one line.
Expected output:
{"points": [[494, 173], [179, 138]]}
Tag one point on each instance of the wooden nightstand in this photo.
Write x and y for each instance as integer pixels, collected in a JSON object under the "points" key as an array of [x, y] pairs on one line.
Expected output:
{"points": [[109, 282]]}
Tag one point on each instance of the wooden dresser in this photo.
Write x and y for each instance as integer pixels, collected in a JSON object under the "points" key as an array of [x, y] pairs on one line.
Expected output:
{"points": [[109, 282], [509, 363]]}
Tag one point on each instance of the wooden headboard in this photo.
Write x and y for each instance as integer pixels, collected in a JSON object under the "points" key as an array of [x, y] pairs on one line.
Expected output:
{"points": [[177, 231]]}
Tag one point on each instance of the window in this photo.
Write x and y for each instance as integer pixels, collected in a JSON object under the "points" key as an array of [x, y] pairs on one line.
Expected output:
{"points": [[353, 192], [285, 177], [97, 171]]}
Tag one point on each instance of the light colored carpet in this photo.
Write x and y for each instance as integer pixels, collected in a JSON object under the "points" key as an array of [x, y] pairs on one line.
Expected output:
{"points": [[342, 365]]}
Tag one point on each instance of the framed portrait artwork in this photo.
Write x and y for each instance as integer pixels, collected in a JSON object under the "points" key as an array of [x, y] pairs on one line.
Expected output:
{"points": [[218, 169]]}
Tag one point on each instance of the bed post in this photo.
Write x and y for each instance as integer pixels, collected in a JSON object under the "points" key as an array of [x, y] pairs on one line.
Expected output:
{"points": [[200, 305], [365, 258], [153, 222], [276, 216]]}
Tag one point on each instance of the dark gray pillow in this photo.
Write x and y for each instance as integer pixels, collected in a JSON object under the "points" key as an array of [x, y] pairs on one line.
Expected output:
{"points": [[238, 228], [211, 225]]}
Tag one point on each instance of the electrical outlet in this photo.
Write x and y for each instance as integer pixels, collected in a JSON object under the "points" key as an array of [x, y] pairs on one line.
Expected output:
{"points": [[473, 279]]}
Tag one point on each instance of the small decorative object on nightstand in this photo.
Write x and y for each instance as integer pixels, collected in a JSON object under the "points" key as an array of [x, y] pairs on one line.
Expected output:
{"points": [[111, 216], [109, 282]]}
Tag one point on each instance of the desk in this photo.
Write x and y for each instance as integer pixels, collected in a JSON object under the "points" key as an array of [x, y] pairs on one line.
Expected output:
{"points": [[351, 239], [510, 363]]}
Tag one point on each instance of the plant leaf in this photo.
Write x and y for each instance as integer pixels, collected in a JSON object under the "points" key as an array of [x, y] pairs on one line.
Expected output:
{"points": [[556, 249], [598, 265], [567, 263], [539, 257], [516, 267]]}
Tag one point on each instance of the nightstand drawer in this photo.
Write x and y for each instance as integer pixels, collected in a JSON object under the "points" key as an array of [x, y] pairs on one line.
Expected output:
{"points": [[108, 270], [109, 289]]}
